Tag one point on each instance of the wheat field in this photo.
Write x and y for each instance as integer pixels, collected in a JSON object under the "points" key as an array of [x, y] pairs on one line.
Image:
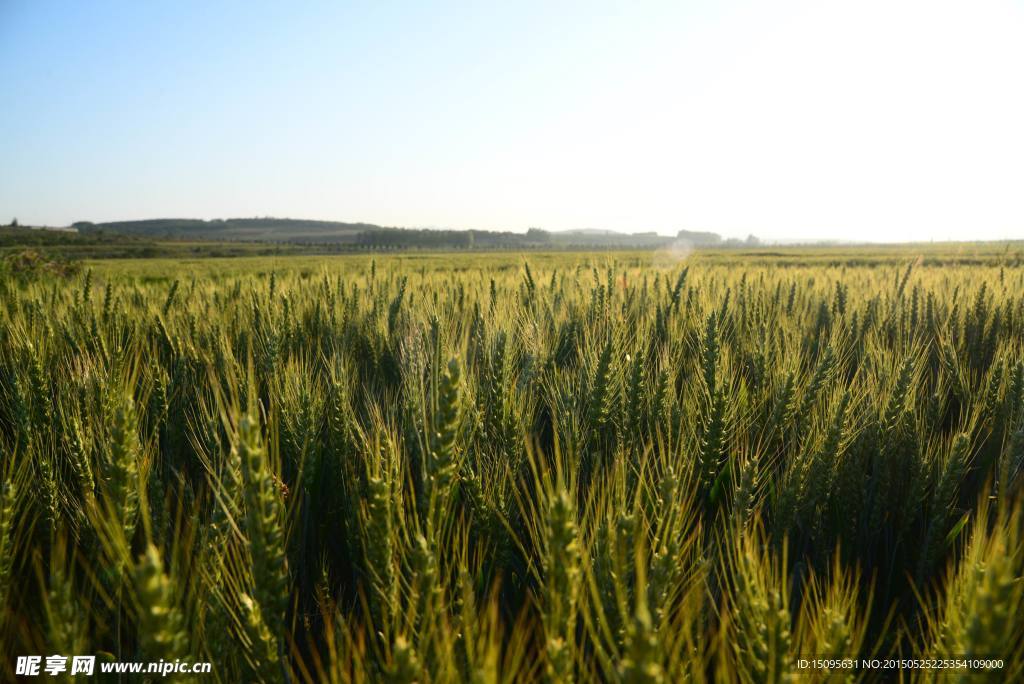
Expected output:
{"points": [[616, 467]]}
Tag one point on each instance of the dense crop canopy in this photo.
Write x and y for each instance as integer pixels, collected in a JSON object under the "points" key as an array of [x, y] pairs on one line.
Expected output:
{"points": [[591, 467]]}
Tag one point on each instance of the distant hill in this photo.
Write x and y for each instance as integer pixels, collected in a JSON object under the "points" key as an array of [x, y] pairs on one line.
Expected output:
{"points": [[262, 229], [369, 236]]}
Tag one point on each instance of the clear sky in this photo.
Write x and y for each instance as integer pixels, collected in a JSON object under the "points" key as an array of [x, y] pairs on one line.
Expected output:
{"points": [[865, 120]]}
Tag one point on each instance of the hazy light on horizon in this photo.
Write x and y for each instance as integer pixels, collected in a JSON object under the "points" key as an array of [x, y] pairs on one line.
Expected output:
{"points": [[897, 120]]}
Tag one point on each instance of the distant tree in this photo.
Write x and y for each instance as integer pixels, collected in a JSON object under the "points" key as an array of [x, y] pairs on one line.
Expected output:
{"points": [[538, 235], [753, 240], [695, 237], [14, 223]]}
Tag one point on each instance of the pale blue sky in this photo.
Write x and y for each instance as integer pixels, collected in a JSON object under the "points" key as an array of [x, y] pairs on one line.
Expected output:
{"points": [[877, 120]]}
